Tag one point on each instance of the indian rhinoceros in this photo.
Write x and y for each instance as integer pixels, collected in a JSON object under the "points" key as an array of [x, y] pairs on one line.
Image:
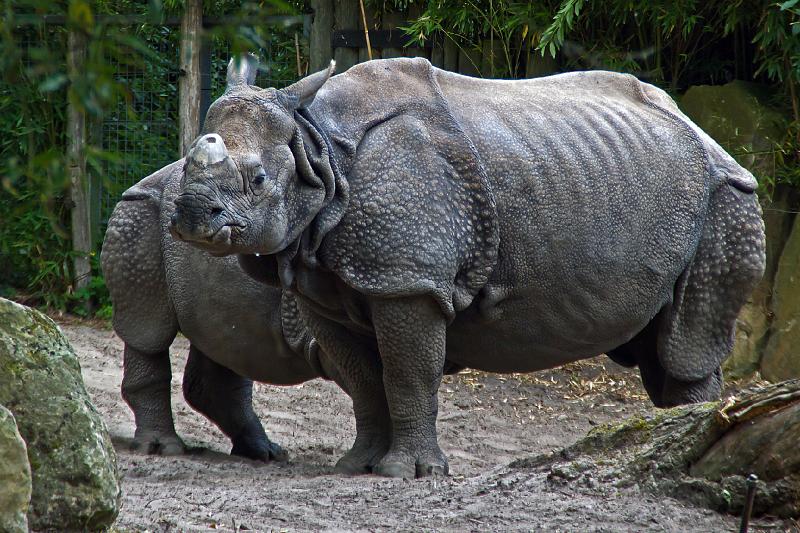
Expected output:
{"points": [[514, 225], [239, 329]]}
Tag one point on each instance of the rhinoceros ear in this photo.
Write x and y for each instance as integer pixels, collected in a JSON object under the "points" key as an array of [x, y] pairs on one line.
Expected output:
{"points": [[242, 71], [301, 93]]}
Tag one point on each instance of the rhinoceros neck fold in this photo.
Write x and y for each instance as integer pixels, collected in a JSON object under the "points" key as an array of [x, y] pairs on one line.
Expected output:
{"points": [[322, 159]]}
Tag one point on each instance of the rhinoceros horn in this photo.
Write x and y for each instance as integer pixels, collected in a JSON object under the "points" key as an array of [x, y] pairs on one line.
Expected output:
{"points": [[208, 149], [242, 71], [301, 93]]}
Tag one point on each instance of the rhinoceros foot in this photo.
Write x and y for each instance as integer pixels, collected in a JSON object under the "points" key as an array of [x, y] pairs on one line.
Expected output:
{"points": [[154, 443], [259, 450], [410, 465], [367, 451]]}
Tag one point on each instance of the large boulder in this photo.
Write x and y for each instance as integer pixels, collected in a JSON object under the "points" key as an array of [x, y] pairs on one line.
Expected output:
{"points": [[736, 116], [755, 326], [73, 463], [15, 475], [781, 358]]}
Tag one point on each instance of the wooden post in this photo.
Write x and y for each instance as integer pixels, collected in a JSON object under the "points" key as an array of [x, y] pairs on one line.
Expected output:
{"points": [[205, 79], [391, 21], [437, 51], [450, 54], [539, 65], [190, 83], [320, 49], [414, 12], [80, 212], [347, 17], [469, 61]]}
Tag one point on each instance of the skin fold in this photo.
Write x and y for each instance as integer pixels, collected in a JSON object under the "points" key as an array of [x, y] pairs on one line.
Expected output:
{"points": [[421, 217]]}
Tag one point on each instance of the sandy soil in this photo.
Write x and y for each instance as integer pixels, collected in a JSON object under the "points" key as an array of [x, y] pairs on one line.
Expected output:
{"points": [[485, 422]]}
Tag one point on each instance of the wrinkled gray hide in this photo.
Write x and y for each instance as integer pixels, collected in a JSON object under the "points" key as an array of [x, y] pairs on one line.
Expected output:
{"points": [[240, 330], [516, 225]]}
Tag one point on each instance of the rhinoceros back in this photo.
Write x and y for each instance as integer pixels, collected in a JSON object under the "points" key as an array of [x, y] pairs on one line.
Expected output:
{"points": [[601, 197]]}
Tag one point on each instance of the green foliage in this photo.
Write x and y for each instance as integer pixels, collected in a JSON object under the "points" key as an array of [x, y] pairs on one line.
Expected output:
{"points": [[35, 249], [511, 26]]}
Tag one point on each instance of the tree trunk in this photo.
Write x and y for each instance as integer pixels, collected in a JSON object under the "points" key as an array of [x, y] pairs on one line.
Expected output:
{"points": [[702, 453], [320, 49], [80, 212], [348, 16], [189, 84]]}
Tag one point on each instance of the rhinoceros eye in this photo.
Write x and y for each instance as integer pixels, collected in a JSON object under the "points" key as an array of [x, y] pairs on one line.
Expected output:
{"points": [[259, 178]]}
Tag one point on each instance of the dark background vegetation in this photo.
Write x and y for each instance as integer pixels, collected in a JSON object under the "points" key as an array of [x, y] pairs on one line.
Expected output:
{"points": [[673, 44]]}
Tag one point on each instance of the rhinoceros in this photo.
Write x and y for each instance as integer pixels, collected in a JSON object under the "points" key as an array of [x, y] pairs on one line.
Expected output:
{"points": [[511, 225], [239, 330]]}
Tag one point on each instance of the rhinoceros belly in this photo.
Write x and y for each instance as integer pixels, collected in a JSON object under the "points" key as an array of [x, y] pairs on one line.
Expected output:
{"points": [[232, 319], [533, 329]]}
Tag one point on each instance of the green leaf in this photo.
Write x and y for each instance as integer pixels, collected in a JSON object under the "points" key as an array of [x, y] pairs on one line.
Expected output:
{"points": [[53, 83], [788, 4]]}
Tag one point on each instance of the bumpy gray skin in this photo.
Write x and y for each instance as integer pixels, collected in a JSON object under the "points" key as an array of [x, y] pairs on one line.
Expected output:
{"points": [[514, 225], [239, 329]]}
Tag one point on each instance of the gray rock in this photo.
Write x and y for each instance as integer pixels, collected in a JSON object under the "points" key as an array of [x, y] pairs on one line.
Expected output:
{"points": [[74, 466], [15, 475]]}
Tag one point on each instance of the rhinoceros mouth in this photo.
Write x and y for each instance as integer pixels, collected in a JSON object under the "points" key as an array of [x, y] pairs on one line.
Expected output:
{"points": [[218, 242]]}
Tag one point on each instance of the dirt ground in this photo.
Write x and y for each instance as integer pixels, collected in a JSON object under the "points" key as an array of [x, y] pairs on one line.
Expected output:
{"points": [[485, 422]]}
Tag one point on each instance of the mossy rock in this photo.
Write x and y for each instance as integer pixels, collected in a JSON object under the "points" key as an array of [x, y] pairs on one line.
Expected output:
{"points": [[701, 453], [781, 358], [73, 463], [737, 117], [15, 475]]}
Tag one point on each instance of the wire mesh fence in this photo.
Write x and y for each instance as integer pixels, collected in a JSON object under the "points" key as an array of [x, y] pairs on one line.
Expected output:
{"points": [[143, 130], [141, 133]]}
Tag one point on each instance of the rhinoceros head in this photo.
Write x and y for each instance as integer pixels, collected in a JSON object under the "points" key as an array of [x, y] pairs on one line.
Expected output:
{"points": [[252, 180]]}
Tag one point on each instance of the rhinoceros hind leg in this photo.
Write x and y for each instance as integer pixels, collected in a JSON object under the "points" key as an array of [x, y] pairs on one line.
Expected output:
{"points": [[641, 351], [663, 389], [697, 329], [677, 392], [226, 399], [146, 389]]}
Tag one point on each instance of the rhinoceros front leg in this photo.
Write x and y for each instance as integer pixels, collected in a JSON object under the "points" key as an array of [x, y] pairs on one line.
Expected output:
{"points": [[357, 369], [146, 389], [226, 398], [411, 339]]}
